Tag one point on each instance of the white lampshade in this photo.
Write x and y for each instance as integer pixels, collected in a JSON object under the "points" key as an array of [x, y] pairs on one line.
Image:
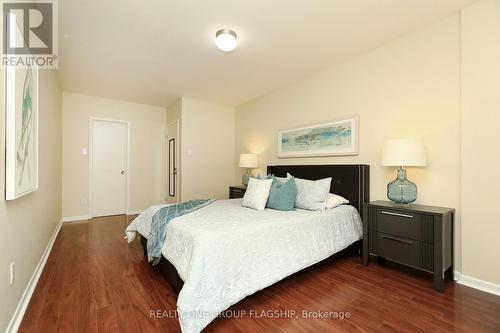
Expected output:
{"points": [[403, 152], [248, 161]]}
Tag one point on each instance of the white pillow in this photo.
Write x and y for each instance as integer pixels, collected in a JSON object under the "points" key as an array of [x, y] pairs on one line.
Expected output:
{"points": [[333, 200], [257, 193], [311, 194]]}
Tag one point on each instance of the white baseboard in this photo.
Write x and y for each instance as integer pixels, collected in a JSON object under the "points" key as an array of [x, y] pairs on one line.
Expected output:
{"points": [[15, 322], [86, 217], [489, 287], [75, 218]]}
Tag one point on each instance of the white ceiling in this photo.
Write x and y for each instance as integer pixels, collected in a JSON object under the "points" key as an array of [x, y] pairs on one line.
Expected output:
{"points": [[154, 51]]}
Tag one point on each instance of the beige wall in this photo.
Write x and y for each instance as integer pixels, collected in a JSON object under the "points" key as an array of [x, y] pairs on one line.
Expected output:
{"points": [[174, 111], [207, 149], [407, 88], [28, 223], [147, 150], [480, 138]]}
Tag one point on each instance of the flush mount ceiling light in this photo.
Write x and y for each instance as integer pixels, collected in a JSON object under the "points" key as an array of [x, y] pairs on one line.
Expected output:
{"points": [[226, 40]]}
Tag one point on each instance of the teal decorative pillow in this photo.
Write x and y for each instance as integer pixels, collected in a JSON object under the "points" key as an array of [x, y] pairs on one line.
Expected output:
{"points": [[282, 194]]}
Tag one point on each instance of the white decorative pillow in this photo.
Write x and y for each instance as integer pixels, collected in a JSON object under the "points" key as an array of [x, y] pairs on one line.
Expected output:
{"points": [[334, 200], [311, 194], [257, 193]]}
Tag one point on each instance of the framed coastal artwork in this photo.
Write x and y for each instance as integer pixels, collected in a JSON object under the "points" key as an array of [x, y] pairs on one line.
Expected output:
{"points": [[21, 131], [328, 139]]}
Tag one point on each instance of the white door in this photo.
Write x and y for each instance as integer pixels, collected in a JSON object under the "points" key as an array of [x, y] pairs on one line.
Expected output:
{"points": [[173, 195], [108, 168]]}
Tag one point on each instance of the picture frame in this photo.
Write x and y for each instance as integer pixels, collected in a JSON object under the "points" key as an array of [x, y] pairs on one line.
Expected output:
{"points": [[335, 138], [21, 131]]}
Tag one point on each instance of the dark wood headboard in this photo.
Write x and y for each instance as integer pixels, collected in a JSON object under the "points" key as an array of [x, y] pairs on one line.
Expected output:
{"points": [[352, 181]]}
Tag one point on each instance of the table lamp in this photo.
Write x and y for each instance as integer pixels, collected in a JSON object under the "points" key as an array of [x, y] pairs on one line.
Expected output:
{"points": [[248, 161], [403, 153]]}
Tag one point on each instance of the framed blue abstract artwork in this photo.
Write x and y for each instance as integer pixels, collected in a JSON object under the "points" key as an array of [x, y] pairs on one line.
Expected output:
{"points": [[21, 131], [328, 139]]}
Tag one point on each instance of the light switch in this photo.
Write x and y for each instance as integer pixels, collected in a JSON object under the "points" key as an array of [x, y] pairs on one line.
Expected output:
{"points": [[84, 151]]}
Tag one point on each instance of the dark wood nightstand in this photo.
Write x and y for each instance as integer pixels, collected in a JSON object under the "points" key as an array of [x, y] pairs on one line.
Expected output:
{"points": [[236, 192], [417, 236]]}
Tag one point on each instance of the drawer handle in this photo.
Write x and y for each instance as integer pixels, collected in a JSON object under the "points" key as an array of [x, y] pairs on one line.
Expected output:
{"points": [[397, 214], [398, 240]]}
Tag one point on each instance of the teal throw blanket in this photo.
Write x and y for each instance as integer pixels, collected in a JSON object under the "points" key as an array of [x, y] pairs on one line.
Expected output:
{"points": [[162, 218]]}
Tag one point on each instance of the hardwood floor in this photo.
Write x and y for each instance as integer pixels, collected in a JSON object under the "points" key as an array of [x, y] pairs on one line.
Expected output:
{"points": [[95, 282]]}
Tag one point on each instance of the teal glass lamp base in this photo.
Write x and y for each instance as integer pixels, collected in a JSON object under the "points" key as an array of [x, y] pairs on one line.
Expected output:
{"points": [[246, 176], [402, 191]]}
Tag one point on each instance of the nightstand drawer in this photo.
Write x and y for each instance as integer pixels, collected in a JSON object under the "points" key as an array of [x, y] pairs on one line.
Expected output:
{"points": [[408, 225], [403, 250]]}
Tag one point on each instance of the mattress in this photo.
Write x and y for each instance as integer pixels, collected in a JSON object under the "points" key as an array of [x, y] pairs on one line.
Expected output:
{"points": [[225, 252]]}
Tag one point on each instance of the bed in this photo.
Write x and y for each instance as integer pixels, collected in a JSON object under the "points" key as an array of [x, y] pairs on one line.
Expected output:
{"points": [[221, 253]]}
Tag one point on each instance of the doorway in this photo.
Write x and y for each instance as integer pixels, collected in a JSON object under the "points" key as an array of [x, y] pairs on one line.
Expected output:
{"points": [[108, 162]]}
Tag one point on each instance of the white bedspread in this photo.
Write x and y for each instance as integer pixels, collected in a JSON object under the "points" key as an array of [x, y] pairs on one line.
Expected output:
{"points": [[225, 252]]}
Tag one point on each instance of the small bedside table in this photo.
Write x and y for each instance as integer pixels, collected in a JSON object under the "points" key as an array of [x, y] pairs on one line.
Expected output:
{"points": [[236, 192], [417, 236]]}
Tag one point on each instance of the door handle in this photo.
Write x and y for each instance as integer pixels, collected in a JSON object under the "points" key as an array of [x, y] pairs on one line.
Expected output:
{"points": [[397, 214], [396, 239], [123, 172], [175, 172]]}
